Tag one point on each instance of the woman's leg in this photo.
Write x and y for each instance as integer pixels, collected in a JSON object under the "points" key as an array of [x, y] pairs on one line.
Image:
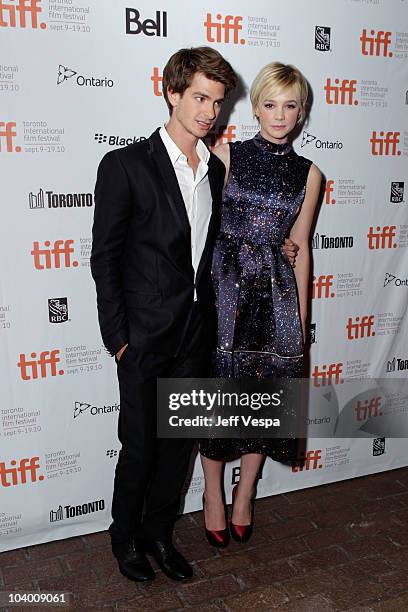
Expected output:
{"points": [[250, 464], [214, 509]]}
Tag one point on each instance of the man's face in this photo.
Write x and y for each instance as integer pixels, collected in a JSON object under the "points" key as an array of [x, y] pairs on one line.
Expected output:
{"points": [[196, 110]]}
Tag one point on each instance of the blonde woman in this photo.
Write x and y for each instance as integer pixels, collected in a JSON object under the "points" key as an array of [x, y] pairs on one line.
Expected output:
{"points": [[270, 194]]}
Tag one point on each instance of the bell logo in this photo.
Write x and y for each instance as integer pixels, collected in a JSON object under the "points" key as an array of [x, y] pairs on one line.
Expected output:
{"points": [[149, 27], [382, 238], [368, 409], [341, 93], [360, 328], [31, 369], [47, 258], [376, 43], [309, 460], [21, 13], [327, 374], [221, 135], [321, 287], [27, 471], [328, 191], [157, 82], [222, 29], [385, 144], [7, 135]]}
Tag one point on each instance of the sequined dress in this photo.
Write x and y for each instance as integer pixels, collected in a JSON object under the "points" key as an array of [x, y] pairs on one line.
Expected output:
{"points": [[259, 329]]}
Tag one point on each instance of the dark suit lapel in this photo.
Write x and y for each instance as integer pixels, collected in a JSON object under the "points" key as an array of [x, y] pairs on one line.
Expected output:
{"points": [[216, 191], [169, 184]]}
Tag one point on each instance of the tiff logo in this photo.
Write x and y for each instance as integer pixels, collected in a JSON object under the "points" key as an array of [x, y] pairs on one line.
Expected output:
{"points": [[322, 38], [321, 287], [327, 374], [157, 82], [47, 258], [148, 27], [376, 43], [7, 135], [382, 238], [385, 144], [360, 329], [46, 364], [397, 192], [27, 471], [221, 135], [309, 460], [36, 200], [329, 188], [14, 13], [341, 93], [222, 28], [368, 409]]}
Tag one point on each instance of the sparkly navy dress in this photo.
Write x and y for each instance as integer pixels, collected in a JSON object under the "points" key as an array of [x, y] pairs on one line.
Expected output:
{"points": [[259, 329]]}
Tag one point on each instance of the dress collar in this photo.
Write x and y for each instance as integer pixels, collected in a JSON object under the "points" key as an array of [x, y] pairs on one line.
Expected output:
{"points": [[272, 147]]}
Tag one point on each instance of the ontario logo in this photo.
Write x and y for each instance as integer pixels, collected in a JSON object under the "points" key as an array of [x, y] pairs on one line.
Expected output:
{"points": [[397, 282], [65, 74], [81, 407], [308, 139]]}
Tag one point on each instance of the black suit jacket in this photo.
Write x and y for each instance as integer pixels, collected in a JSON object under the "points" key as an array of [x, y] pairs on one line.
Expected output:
{"points": [[141, 250]]}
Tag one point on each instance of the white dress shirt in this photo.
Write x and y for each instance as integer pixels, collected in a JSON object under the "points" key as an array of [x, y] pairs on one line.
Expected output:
{"points": [[195, 191]]}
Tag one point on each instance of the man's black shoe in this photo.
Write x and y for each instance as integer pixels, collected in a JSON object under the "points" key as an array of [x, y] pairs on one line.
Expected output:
{"points": [[132, 561], [173, 564]]}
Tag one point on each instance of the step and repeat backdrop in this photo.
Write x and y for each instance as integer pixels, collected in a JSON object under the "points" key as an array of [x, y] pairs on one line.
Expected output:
{"points": [[79, 78]]}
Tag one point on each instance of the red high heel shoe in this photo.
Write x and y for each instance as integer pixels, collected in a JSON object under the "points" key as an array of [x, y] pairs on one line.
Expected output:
{"points": [[217, 537], [241, 533]]}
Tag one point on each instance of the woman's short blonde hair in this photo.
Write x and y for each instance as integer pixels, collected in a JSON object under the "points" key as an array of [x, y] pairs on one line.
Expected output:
{"points": [[272, 79]]}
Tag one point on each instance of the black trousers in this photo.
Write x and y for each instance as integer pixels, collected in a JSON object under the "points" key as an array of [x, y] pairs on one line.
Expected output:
{"points": [[151, 471]]}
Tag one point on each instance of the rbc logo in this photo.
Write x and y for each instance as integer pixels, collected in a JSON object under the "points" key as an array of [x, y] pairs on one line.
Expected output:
{"points": [[376, 43], [149, 27], [51, 257], [341, 93], [222, 28], [382, 238], [12, 476], [7, 135], [31, 369], [385, 144], [21, 13]]}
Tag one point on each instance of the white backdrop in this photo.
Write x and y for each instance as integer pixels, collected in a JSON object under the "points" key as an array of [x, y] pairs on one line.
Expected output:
{"points": [[78, 78]]}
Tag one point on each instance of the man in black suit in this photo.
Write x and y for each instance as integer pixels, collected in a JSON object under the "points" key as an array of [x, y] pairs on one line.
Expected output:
{"points": [[157, 205]]}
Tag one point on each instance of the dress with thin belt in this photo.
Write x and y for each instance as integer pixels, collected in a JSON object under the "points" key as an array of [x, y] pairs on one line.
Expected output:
{"points": [[259, 328]]}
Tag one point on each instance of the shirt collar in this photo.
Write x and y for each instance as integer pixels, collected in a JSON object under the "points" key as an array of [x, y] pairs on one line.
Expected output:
{"points": [[174, 152]]}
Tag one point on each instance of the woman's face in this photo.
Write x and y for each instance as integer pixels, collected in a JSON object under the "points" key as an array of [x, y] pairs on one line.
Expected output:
{"points": [[278, 115]]}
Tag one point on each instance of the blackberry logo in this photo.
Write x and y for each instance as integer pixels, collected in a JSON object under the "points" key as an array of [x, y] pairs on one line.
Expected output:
{"points": [[58, 310], [397, 192], [117, 141], [111, 453], [64, 74], [378, 446], [322, 38], [312, 333]]}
